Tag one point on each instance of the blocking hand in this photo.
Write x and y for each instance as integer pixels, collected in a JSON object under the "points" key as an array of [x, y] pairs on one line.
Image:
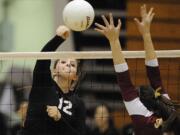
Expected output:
{"points": [[110, 31], [146, 19]]}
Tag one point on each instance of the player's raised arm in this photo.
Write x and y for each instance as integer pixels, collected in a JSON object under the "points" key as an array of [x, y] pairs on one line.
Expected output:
{"points": [[144, 28], [42, 73], [112, 32]]}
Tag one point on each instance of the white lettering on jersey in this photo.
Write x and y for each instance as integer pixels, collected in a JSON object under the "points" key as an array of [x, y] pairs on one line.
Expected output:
{"points": [[65, 106]]}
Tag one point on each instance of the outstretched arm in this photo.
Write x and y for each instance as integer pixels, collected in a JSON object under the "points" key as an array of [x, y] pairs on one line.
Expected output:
{"points": [[42, 73], [128, 91], [150, 55], [112, 34], [144, 29]]}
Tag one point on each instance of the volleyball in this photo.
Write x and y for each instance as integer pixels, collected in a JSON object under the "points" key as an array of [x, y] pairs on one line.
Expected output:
{"points": [[78, 15]]}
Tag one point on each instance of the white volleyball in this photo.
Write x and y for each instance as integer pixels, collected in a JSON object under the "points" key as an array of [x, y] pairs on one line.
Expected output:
{"points": [[78, 15]]}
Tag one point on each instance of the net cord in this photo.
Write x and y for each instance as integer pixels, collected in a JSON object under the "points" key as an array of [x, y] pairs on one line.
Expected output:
{"points": [[84, 54]]}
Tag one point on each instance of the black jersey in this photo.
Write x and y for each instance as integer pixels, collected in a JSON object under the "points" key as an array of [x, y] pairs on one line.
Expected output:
{"points": [[45, 92]]}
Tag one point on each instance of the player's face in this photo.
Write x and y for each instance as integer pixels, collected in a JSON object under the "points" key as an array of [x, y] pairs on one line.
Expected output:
{"points": [[67, 68], [101, 116]]}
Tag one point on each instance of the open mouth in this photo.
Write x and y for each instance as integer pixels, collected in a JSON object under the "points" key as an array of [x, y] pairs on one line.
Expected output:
{"points": [[67, 70]]}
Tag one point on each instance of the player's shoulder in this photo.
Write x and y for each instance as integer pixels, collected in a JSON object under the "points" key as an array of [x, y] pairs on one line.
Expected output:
{"points": [[75, 97], [77, 100]]}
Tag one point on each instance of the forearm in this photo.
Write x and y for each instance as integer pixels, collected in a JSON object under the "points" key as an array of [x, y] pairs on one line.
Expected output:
{"points": [[41, 73], [128, 90], [148, 47], [53, 44], [118, 57]]}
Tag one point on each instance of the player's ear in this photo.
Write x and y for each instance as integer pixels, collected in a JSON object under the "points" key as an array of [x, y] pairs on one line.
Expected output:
{"points": [[54, 72]]}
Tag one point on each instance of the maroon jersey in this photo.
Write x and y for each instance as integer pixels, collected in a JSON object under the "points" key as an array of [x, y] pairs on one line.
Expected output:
{"points": [[143, 119], [153, 74]]}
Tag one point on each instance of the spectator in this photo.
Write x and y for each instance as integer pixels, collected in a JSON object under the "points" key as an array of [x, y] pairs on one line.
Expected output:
{"points": [[104, 124]]}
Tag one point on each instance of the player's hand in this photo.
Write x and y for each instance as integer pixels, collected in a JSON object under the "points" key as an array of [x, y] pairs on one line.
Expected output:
{"points": [[53, 112], [158, 123], [110, 31], [63, 31], [146, 19]]}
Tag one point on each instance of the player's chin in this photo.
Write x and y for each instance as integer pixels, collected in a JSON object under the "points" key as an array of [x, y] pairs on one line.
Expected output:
{"points": [[69, 76]]}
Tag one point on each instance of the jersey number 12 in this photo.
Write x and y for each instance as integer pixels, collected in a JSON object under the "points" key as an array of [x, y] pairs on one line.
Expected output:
{"points": [[65, 106]]}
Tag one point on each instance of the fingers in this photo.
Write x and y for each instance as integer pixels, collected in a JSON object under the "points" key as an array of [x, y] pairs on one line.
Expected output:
{"points": [[100, 26], [107, 23], [152, 16], [146, 15], [150, 12], [111, 19], [119, 24], [158, 123], [137, 21], [143, 11], [52, 111], [63, 31], [110, 23], [66, 34], [99, 30], [105, 20], [49, 108], [109, 30]]}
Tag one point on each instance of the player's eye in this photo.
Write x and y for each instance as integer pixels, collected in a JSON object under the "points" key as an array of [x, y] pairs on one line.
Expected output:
{"points": [[73, 65], [63, 62]]}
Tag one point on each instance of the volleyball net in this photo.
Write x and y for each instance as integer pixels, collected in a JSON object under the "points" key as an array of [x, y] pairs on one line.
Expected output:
{"points": [[97, 86]]}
